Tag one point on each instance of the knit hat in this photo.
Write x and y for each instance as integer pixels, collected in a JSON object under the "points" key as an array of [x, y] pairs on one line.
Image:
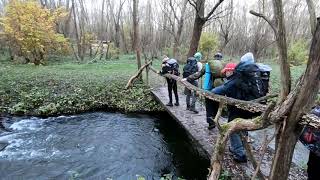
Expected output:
{"points": [[229, 67], [247, 58], [218, 56], [198, 56]]}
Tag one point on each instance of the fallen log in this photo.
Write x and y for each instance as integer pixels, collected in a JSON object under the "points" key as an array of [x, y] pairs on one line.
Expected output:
{"points": [[133, 78]]}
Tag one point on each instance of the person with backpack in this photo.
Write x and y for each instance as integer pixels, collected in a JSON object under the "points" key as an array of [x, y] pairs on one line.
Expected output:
{"points": [[171, 66], [310, 137], [244, 84], [213, 77], [193, 66]]}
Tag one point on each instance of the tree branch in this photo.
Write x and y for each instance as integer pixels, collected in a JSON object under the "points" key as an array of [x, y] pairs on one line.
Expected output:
{"points": [[266, 19], [133, 78], [212, 10]]}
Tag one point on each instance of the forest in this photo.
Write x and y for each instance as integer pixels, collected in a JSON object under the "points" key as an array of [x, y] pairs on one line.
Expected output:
{"points": [[65, 57]]}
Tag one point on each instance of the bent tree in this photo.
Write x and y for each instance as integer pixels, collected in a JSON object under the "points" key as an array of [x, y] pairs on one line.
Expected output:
{"points": [[293, 104]]}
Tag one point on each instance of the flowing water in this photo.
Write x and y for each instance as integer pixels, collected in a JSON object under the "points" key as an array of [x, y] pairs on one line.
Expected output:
{"points": [[98, 146]]}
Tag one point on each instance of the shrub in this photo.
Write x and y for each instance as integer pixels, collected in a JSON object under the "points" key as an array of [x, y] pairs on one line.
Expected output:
{"points": [[298, 53], [31, 30], [208, 42]]}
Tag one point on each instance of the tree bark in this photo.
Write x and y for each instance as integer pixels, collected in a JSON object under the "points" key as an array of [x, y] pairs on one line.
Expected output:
{"points": [[282, 48], [312, 12], [198, 24], [136, 39], [302, 99]]}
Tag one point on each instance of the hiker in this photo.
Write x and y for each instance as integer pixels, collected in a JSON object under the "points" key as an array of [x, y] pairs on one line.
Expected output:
{"points": [[310, 137], [244, 84], [171, 66], [212, 72], [193, 66]]}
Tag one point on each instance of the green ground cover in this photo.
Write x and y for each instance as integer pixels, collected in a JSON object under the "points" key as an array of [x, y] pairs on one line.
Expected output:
{"points": [[66, 87]]}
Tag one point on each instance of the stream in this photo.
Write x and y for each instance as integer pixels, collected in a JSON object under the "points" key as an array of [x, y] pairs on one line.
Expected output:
{"points": [[98, 146]]}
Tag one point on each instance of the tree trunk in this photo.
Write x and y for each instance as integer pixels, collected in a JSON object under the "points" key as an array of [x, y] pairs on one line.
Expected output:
{"points": [[136, 40], [282, 48], [312, 12], [283, 156], [78, 54], [196, 35], [197, 28], [302, 99]]}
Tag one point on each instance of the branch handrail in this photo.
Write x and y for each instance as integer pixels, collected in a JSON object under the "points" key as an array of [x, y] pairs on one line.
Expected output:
{"points": [[307, 119]]}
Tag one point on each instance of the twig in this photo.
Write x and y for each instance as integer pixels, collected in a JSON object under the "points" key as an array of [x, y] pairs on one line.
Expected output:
{"points": [[216, 119], [266, 19], [251, 156], [265, 98], [262, 152]]}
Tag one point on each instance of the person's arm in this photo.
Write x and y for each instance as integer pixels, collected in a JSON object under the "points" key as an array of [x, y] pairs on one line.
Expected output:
{"points": [[196, 75]]}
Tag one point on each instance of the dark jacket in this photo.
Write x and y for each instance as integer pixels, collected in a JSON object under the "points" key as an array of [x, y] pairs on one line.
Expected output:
{"points": [[216, 67]]}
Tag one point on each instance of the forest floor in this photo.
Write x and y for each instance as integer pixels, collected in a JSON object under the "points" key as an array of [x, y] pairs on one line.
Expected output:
{"points": [[66, 87]]}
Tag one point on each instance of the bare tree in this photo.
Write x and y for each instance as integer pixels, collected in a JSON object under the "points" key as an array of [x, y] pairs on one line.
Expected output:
{"points": [[199, 22], [136, 39]]}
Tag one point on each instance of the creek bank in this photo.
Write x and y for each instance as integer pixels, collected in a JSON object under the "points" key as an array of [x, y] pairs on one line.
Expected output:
{"points": [[64, 98]]}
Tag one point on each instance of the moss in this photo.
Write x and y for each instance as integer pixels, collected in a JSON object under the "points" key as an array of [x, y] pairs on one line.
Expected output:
{"points": [[224, 128]]}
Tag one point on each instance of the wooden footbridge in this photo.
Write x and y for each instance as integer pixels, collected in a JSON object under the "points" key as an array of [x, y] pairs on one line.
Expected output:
{"points": [[205, 140]]}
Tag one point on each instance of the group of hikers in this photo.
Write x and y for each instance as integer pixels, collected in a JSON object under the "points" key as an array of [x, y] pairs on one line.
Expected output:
{"points": [[246, 80]]}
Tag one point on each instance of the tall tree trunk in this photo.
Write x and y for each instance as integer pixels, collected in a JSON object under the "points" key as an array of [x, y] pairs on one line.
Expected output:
{"points": [[312, 12], [76, 31], [302, 99], [197, 28], [196, 35], [136, 39], [282, 48]]}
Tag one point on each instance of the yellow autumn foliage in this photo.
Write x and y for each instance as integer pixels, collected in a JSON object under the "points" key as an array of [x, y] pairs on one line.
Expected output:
{"points": [[31, 30]]}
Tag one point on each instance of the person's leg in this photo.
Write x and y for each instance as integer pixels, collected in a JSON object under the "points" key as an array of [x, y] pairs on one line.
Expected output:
{"points": [[237, 148], [175, 91], [211, 110], [313, 166], [187, 92], [194, 98], [169, 82], [193, 102]]}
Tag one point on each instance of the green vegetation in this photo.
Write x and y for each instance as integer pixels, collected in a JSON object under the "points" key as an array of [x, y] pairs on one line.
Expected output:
{"points": [[298, 52], [67, 88], [208, 43]]}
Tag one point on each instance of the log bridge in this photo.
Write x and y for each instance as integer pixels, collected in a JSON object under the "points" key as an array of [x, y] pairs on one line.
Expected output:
{"points": [[204, 139]]}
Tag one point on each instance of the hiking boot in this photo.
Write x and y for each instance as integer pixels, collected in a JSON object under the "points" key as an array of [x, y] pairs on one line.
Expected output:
{"points": [[237, 158], [169, 104], [240, 159], [188, 107], [176, 104], [211, 126]]}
